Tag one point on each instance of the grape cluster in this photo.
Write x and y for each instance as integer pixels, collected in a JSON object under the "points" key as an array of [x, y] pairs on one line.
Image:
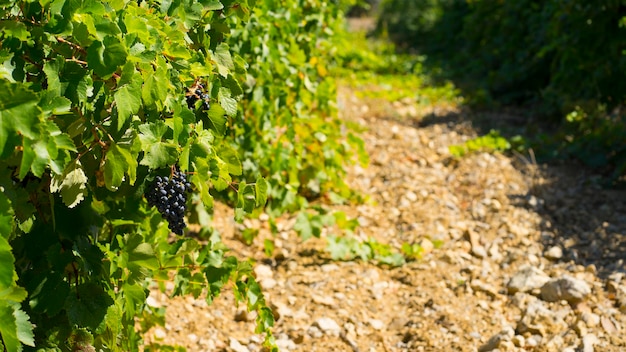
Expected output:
{"points": [[169, 196], [198, 94]]}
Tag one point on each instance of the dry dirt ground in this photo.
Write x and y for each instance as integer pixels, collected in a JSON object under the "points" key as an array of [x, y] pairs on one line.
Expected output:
{"points": [[532, 256]]}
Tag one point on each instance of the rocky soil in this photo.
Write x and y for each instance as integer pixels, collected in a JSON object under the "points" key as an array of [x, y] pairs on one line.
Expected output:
{"points": [[532, 256]]}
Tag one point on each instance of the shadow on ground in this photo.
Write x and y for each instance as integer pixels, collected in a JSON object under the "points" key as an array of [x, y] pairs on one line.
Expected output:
{"points": [[581, 216]]}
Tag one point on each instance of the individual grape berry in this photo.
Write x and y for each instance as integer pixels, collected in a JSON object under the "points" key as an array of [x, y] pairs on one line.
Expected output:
{"points": [[169, 196], [191, 101]]}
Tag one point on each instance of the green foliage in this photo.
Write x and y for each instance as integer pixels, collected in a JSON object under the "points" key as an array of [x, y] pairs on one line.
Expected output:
{"points": [[374, 71], [552, 56], [287, 129], [490, 142], [558, 53], [349, 248], [593, 136], [93, 107]]}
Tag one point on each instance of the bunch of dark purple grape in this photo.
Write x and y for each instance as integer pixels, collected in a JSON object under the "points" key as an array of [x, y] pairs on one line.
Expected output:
{"points": [[198, 94], [169, 196]]}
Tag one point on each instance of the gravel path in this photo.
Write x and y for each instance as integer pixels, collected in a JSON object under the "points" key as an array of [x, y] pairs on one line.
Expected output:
{"points": [[532, 256]]}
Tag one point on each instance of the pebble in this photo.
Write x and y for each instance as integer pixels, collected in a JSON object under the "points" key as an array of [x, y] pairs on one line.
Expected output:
{"points": [[590, 319], [328, 325], [236, 346], [263, 271], [589, 341], [285, 344], [376, 324], [519, 341], [565, 288], [527, 278], [554, 253], [159, 333]]}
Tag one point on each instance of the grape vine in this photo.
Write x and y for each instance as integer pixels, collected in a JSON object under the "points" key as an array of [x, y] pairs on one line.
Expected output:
{"points": [[96, 99]]}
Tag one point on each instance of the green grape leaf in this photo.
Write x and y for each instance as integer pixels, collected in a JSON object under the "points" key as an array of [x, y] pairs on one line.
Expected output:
{"points": [[308, 225], [106, 56], [128, 98], [24, 327], [217, 116], [14, 29], [264, 320], [135, 295], [118, 162], [55, 105], [253, 293], [230, 157], [231, 83], [72, 184], [6, 217], [14, 293], [50, 293], [337, 248], [212, 5], [260, 191], [154, 91], [141, 253], [157, 153], [19, 114], [227, 101], [88, 306], [35, 157], [8, 327], [52, 69], [7, 270], [223, 59]]}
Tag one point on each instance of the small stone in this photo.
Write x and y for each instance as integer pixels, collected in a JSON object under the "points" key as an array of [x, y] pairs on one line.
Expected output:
{"points": [[263, 271], [554, 253], [519, 341], [478, 285], [565, 288], [151, 301], [588, 342], [580, 328], [314, 331], [330, 267], [527, 279], [236, 346], [376, 324], [328, 325], [475, 334], [534, 340], [159, 334], [608, 325], [479, 251], [590, 319], [539, 320], [427, 246], [267, 283], [324, 300], [285, 344]]}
